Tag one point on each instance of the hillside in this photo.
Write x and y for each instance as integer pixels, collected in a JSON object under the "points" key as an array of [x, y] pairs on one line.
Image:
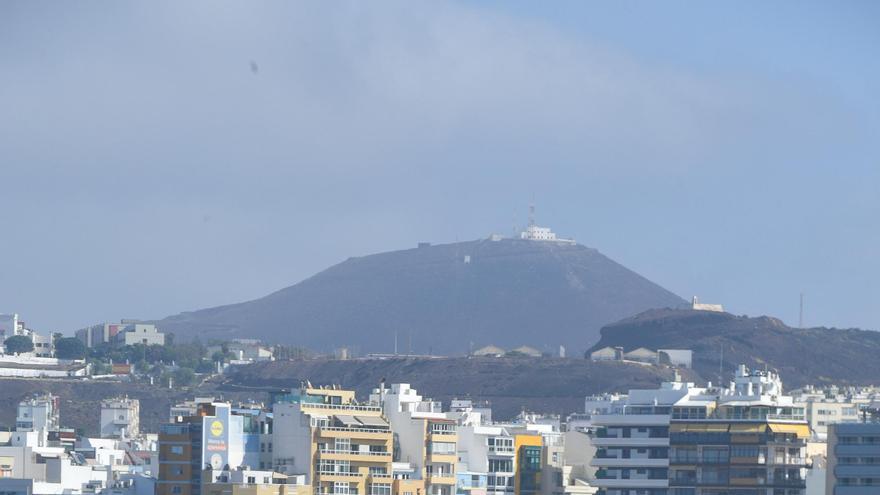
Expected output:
{"points": [[812, 355], [510, 384], [442, 299]]}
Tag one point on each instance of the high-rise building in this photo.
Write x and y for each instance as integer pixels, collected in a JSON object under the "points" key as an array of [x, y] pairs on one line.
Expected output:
{"points": [[217, 437], [632, 439], [342, 447], [424, 436], [853, 459], [746, 439]]}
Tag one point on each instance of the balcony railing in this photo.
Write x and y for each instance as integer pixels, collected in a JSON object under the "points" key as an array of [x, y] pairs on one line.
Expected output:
{"points": [[355, 452], [355, 430]]}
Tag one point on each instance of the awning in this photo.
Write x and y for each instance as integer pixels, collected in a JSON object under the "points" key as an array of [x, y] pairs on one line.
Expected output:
{"points": [[716, 427], [802, 431], [748, 428], [348, 421], [372, 421]]}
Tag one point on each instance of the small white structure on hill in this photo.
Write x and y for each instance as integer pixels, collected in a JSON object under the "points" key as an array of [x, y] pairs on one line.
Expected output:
{"points": [[696, 305], [535, 233]]}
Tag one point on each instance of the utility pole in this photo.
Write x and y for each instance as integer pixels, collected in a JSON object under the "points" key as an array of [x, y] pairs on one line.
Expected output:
{"points": [[801, 314]]}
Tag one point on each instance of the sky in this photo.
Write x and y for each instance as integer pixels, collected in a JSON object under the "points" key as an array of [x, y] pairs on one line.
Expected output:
{"points": [[170, 156]]}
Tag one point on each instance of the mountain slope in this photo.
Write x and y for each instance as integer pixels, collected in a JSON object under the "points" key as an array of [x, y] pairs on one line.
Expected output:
{"points": [[802, 356], [509, 293]]}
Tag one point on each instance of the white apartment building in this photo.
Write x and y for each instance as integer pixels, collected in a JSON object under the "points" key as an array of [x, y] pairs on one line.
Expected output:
{"points": [[489, 451], [126, 332], [120, 418], [425, 437], [632, 439], [39, 413]]}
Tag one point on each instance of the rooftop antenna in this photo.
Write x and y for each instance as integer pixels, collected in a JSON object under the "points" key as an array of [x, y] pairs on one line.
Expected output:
{"points": [[532, 213], [801, 314], [395, 342]]}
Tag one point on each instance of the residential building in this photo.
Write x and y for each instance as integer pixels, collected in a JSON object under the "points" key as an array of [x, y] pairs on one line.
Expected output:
{"points": [[251, 482], [126, 332], [38, 413], [747, 438], [424, 436], [822, 412], [341, 447], [216, 436], [120, 418], [489, 451], [631, 435], [853, 459]]}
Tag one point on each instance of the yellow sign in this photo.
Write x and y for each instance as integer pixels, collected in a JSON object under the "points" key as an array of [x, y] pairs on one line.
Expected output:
{"points": [[217, 428]]}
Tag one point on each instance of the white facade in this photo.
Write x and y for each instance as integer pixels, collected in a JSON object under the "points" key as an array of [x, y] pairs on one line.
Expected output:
{"points": [[38, 414], [696, 305], [120, 418]]}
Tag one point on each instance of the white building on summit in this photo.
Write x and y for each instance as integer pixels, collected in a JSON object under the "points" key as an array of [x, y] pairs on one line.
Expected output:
{"points": [[535, 233]]}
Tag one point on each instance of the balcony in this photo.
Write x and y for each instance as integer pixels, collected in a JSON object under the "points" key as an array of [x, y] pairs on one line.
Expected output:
{"points": [[355, 455], [442, 478], [630, 442], [357, 433], [504, 451], [629, 462], [631, 419], [630, 483]]}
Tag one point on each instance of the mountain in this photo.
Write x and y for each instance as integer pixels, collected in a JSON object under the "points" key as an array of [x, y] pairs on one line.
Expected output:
{"points": [[722, 340], [442, 299]]}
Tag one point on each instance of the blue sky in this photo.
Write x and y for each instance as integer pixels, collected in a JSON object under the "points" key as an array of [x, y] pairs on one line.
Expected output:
{"points": [[727, 150]]}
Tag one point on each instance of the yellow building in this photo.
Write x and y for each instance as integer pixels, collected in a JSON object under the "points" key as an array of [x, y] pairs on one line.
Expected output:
{"points": [[527, 464], [340, 446]]}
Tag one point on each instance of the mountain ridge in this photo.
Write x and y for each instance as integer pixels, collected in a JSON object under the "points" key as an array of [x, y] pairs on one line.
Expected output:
{"points": [[445, 298]]}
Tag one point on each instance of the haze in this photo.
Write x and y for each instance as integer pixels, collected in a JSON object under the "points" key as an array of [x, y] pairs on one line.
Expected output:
{"points": [[163, 157]]}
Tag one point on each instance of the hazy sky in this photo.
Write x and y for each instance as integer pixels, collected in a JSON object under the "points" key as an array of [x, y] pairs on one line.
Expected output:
{"points": [[728, 151]]}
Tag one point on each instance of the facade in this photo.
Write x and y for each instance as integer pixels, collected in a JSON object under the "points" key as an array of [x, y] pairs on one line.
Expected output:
{"points": [[425, 438], [821, 413], [642, 355], [217, 437], [120, 418], [126, 332], [251, 482], [340, 446], [696, 305], [632, 440], [39, 413], [489, 451], [607, 354], [853, 459], [747, 439]]}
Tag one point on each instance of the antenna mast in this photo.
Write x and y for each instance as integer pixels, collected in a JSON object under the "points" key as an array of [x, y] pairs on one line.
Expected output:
{"points": [[532, 213], [801, 314]]}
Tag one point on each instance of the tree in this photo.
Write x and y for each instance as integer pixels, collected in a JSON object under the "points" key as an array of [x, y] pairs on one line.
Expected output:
{"points": [[184, 377], [70, 348], [18, 344]]}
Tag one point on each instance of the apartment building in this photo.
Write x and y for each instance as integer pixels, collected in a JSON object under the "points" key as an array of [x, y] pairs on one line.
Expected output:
{"points": [[340, 446], [490, 451], [821, 413], [747, 439], [425, 437], [126, 332], [245, 481], [853, 459], [217, 436], [120, 418], [38, 413]]}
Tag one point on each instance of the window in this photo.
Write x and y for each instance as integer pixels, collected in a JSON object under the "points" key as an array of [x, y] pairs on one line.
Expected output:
{"points": [[341, 488], [177, 449], [380, 489], [500, 465], [442, 448], [176, 489]]}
